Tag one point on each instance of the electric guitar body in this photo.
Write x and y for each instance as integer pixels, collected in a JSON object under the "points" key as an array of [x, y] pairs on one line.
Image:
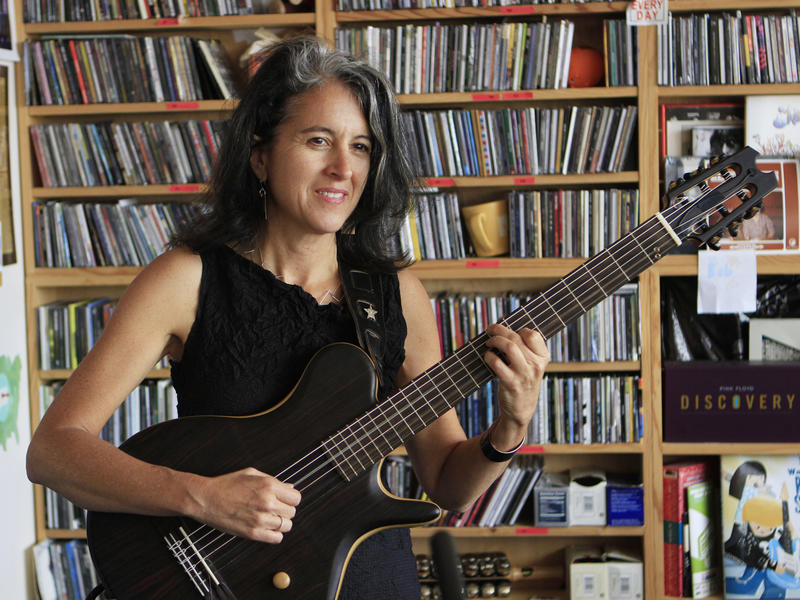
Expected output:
{"points": [[329, 437], [133, 554]]}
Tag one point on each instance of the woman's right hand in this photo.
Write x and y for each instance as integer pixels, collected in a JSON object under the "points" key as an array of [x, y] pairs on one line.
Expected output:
{"points": [[247, 503]]}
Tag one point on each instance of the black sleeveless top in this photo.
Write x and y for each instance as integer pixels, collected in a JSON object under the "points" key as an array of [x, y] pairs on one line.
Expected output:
{"points": [[250, 341]]}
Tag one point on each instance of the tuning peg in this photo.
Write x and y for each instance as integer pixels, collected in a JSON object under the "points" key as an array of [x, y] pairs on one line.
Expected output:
{"points": [[752, 211], [715, 159], [713, 243], [733, 228], [676, 183]]}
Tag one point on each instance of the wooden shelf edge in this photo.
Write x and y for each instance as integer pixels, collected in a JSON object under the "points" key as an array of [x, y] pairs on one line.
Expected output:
{"points": [[592, 367], [559, 449], [621, 448], [56, 374], [113, 109], [115, 191], [712, 5], [528, 531], [748, 89], [723, 448], [499, 181], [505, 96], [407, 100], [65, 534], [531, 180], [493, 268], [179, 23], [476, 12], [82, 276], [767, 264]]}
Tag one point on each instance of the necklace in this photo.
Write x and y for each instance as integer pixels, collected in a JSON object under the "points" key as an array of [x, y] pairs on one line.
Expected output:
{"points": [[329, 296]]}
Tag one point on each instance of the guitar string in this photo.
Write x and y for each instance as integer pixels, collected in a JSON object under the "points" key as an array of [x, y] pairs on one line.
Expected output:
{"points": [[456, 385], [232, 557], [457, 389], [392, 402]]}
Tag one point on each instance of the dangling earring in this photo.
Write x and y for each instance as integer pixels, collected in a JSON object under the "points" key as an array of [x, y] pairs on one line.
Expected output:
{"points": [[262, 193]]}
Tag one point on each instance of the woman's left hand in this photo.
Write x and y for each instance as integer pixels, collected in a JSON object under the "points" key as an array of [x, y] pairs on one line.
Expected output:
{"points": [[520, 375]]}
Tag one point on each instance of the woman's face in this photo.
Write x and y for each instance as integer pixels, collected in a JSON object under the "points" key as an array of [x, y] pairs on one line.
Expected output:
{"points": [[318, 162]]}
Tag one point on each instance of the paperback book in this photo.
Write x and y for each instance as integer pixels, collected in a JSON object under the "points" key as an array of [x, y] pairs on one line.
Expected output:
{"points": [[760, 519]]}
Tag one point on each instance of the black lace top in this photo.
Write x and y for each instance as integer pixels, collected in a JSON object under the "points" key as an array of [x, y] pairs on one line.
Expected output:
{"points": [[250, 341]]}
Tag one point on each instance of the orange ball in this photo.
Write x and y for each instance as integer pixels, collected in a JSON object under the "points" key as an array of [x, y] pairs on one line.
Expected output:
{"points": [[585, 67]]}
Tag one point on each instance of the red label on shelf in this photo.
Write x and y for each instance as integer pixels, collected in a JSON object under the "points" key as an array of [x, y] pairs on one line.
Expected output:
{"points": [[440, 181], [486, 97], [183, 105], [483, 264], [184, 187], [517, 95], [168, 22], [531, 530], [532, 450], [518, 10], [524, 180]]}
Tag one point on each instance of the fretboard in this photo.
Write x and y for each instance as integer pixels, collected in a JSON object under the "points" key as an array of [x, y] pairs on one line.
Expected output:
{"points": [[401, 416]]}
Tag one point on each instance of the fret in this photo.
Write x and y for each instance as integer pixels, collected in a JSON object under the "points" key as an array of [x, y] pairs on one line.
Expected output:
{"points": [[403, 419], [611, 256], [361, 450], [377, 428], [586, 268], [633, 237], [339, 458], [583, 309], [529, 318], [480, 358], [424, 397]]}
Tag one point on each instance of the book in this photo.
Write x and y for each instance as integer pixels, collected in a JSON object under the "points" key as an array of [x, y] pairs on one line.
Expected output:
{"points": [[704, 549], [760, 514], [678, 122], [772, 126], [774, 339], [676, 478]]}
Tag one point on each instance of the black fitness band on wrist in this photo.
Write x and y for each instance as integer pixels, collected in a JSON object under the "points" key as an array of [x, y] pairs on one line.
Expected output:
{"points": [[492, 453]]}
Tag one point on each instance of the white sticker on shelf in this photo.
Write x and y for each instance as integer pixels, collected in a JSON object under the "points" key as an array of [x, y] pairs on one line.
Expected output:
{"points": [[647, 12], [726, 281]]}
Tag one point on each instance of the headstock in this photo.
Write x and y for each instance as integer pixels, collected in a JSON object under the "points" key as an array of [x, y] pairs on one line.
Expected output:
{"points": [[704, 203]]}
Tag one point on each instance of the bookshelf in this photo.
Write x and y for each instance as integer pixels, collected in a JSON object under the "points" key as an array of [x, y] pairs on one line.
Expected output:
{"points": [[525, 545]]}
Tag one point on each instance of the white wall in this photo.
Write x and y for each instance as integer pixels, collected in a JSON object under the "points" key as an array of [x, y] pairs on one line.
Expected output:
{"points": [[17, 533]]}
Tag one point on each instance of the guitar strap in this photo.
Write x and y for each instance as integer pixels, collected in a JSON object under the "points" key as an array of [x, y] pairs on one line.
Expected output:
{"points": [[364, 296]]}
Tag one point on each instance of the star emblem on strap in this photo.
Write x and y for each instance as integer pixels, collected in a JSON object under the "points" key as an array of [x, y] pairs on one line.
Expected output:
{"points": [[371, 312]]}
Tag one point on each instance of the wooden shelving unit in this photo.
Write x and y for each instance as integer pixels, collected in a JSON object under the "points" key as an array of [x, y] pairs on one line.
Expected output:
{"points": [[524, 545]]}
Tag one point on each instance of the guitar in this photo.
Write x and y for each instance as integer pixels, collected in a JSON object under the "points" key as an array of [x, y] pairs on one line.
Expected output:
{"points": [[333, 457]]}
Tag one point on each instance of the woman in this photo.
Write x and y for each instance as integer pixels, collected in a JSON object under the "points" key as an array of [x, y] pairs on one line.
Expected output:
{"points": [[312, 171]]}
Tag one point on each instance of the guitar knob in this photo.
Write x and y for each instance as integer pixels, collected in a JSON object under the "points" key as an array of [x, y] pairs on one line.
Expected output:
{"points": [[712, 243], [715, 159], [675, 183], [752, 211], [733, 228], [281, 580]]}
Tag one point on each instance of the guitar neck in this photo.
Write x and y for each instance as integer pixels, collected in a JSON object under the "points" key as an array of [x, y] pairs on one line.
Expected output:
{"points": [[410, 410]]}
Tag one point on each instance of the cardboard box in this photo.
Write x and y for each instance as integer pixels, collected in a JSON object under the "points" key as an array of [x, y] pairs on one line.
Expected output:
{"points": [[731, 402], [551, 500], [625, 580], [609, 574], [587, 573], [587, 497], [624, 502]]}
